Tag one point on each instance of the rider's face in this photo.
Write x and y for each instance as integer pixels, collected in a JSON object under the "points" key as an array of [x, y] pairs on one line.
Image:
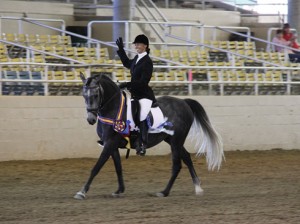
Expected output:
{"points": [[140, 48]]}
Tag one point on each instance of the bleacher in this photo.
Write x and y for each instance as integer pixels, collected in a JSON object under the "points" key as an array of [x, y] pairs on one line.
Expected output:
{"points": [[194, 56]]}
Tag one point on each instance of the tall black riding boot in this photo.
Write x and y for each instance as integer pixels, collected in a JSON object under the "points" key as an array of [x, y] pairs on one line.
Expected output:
{"points": [[141, 150]]}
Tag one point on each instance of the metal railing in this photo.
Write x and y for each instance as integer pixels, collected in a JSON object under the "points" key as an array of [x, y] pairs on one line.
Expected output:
{"points": [[168, 26], [20, 21], [189, 82], [32, 49], [155, 15]]}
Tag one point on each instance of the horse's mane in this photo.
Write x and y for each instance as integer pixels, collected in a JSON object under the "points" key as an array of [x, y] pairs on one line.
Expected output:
{"points": [[105, 77], [101, 77], [106, 80]]}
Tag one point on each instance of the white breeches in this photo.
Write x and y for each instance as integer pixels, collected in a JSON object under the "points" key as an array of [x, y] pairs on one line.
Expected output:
{"points": [[145, 105]]}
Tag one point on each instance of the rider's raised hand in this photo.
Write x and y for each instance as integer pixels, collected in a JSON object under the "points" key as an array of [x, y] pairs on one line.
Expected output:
{"points": [[119, 43]]}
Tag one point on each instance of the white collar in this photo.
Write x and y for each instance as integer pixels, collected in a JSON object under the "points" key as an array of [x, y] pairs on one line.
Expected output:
{"points": [[141, 56]]}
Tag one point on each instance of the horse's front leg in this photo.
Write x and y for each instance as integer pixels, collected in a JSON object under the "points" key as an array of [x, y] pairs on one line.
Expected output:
{"points": [[118, 166], [106, 153]]}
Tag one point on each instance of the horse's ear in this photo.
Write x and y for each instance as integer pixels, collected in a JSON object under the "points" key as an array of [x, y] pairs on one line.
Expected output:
{"points": [[82, 77]]}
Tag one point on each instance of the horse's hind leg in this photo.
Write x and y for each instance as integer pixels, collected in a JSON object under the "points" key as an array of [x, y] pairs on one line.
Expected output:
{"points": [[186, 157], [176, 167]]}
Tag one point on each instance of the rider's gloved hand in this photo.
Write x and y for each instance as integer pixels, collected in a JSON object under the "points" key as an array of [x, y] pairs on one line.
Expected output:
{"points": [[123, 85], [119, 43]]}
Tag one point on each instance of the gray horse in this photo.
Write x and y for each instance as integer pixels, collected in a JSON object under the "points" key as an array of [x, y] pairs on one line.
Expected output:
{"points": [[102, 98]]}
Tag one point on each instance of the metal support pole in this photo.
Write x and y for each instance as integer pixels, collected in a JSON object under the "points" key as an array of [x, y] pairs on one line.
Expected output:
{"points": [[0, 80], [188, 33], [63, 27], [222, 84], [0, 27], [202, 36], [46, 85], [256, 84], [20, 26], [214, 37], [190, 78], [126, 35], [288, 87], [167, 3]]}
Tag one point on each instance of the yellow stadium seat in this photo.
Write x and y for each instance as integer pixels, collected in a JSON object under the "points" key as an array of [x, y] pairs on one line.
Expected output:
{"points": [[249, 45], [166, 54], [92, 52], [193, 55], [65, 40], [214, 43], [223, 44], [59, 75], [12, 37], [225, 76], [104, 53], [31, 38], [60, 50], [175, 54], [156, 53], [42, 39], [118, 76], [213, 75], [250, 77], [96, 69], [127, 76], [21, 38], [170, 76], [160, 76], [79, 52], [70, 52], [50, 75], [54, 39], [181, 76], [203, 55], [231, 45]]}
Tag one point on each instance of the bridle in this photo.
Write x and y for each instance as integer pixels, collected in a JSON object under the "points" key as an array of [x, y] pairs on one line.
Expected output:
{"points": [[100, 93], [101, 104]]}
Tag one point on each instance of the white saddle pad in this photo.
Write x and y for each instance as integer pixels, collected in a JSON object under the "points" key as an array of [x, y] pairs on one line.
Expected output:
{"points": [[159, 121]]}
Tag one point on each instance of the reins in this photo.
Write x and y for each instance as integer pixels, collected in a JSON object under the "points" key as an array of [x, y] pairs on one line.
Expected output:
{"points": [[110, 99]]}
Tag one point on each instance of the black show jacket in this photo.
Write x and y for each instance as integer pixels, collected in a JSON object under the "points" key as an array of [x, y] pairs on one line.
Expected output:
{"points": [[141, 73]]}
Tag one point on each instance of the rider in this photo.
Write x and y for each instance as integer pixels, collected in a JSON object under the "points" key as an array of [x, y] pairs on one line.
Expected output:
{"points": [[141, 68]]}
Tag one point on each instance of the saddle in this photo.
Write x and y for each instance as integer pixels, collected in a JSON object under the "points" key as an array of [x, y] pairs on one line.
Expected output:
{"points": [[136, 110], [157, 122]]}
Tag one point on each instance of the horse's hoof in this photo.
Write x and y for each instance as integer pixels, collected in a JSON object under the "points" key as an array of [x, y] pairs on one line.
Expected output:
{"points": [[79, 195], [198, 190], [117, 194], [161, 195], [200, 193], [141, 153]]}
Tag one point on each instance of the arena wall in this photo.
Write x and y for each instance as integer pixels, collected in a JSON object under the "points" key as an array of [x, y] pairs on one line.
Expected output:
{"points": [[36, 128]]}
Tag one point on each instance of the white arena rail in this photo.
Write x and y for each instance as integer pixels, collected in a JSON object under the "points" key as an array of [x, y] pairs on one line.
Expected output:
{"points": [[190, 82]]}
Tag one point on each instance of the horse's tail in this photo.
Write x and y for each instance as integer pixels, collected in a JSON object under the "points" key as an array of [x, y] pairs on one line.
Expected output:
{"points": [[212, 144]]}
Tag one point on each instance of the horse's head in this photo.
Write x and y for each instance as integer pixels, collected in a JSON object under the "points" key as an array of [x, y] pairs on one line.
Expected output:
{"points": [[96, 90], [92, 93]]}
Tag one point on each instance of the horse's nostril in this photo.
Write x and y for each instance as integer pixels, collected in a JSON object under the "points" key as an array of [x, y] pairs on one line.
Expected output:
{"points": [[91, 121]]}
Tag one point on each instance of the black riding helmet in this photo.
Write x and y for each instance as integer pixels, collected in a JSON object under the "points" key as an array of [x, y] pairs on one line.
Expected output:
{"points": [[141, 39]]}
